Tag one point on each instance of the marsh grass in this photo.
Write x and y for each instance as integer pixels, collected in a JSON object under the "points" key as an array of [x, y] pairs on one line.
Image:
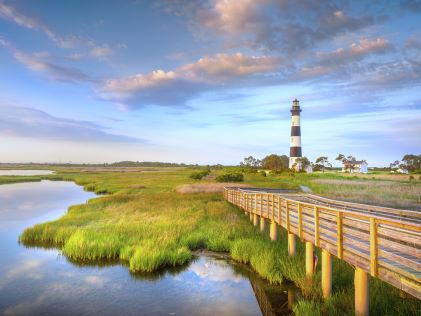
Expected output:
{"points": [[387, 193], [146, 224]]}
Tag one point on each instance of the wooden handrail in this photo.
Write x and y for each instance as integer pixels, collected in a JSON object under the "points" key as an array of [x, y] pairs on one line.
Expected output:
{"points": [[387, 248]]}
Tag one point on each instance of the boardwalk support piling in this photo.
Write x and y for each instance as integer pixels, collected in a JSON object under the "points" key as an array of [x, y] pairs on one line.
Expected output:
{"points": [[361, 292], [291, 298], [326, 273], [251, 217], [255, 219], [262, 224], [309, 259], [291, 244], [273, 230]]}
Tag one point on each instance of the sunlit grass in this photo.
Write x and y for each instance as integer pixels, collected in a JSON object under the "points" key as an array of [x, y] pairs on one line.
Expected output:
{"points": [[145, 223]]}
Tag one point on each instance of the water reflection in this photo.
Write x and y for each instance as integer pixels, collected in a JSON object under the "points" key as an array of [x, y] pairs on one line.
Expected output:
{"points": [[40, 281], [25, 172]]}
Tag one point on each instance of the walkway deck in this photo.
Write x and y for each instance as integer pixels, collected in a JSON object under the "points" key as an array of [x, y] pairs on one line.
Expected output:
{"points": [[384, 242]]}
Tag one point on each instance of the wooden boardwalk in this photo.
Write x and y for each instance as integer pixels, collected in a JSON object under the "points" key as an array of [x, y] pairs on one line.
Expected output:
{"points": [[383, 242]]}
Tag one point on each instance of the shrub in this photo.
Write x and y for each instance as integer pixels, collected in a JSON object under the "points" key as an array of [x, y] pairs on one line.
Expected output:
{"points": [[230, 177], [199, 174], [262, 173], [411, 178]]}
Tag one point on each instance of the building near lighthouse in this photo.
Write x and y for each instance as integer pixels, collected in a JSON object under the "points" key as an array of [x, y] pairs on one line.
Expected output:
{"points": [[295, 145]]}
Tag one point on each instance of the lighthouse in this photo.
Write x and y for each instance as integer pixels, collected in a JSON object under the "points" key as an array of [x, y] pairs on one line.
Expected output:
{"points": [[295, 148]]}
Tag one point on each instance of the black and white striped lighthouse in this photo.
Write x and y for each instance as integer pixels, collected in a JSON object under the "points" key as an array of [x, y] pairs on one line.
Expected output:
{"points": [[295, 148]]}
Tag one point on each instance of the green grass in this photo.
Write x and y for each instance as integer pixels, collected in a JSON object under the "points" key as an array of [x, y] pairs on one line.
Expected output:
{"points": [[147, 225]]}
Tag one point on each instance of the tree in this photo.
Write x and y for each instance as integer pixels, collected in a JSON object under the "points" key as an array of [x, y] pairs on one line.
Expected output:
{"points": [[303, 162], [251, 162], [275, 162], [351, 158], [343, 159], [394, 164], [323, 162], [411, 162], [340, 157]]}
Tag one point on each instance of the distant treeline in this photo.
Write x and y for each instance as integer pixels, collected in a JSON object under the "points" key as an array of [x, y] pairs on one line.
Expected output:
{"points": [[148, 164], [115, 164]]}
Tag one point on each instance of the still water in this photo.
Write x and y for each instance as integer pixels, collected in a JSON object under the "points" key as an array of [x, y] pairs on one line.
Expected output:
{"points": [[25, 172], [40, 281]]}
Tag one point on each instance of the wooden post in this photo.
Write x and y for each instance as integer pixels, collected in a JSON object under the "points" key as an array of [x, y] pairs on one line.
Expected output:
{"points": [[339, 235], [326, 273], [287, 215], [273, 206], [373, 247], [300, 221], [279, 211], [291, 298], [262, 224], [247, 204], [255, 219], [361, 292], [273, 230], [251, 216], [316, 227], [309, 259], [291, 244]]}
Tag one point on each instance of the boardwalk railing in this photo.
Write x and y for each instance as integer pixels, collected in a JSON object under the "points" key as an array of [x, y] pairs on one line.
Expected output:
{"points": [[373, 242]]}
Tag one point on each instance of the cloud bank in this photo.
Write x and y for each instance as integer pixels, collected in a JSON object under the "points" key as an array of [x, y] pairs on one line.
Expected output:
{"points": [[176, 86], [32, 123]]}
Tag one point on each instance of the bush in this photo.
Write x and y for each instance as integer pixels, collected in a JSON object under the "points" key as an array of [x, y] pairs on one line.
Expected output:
{"points": [[230, 177], [199, 174], [248, 170], [411, 178]]}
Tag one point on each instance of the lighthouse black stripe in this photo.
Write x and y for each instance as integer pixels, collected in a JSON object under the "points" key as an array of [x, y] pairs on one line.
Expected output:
{"points": [[295, 131], [295, 112], [295, 152]]}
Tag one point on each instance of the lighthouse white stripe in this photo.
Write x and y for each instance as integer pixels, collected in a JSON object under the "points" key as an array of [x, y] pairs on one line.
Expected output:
{"points": [[292, 161], [295, 120], [295, 141]]}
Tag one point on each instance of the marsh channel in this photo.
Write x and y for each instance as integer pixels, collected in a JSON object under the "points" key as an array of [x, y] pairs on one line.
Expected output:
{"points": [[41, 281]]}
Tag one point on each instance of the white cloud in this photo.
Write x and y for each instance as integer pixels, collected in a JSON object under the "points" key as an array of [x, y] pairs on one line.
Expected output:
{"points": [[75, 56], [32, 123], [40, 62], [359, 50], [227, 67], [10, 13], [235, 17], [159, 86], [101, 51]]}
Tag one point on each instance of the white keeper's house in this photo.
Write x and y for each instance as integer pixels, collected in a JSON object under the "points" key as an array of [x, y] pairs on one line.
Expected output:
{"points": [[358, 166]]}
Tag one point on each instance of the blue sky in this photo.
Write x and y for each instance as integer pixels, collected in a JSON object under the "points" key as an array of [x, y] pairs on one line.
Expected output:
{"points": [[208, 81]]}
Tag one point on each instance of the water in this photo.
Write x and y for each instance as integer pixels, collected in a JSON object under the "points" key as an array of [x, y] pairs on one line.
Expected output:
{"points": [[40, 281], [25, 172]]}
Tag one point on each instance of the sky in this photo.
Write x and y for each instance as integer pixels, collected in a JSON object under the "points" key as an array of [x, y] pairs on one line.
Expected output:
{"points": [[208, 81]]}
